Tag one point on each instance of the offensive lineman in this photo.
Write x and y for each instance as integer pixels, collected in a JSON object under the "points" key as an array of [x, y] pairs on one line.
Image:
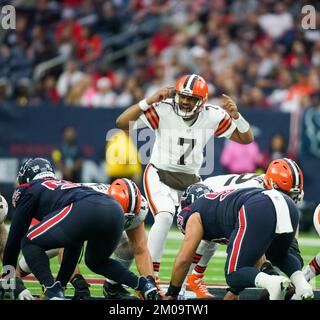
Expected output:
{"points": [[183, 124]]}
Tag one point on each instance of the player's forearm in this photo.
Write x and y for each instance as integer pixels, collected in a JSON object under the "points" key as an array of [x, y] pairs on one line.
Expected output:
{"points": [[130, 114], [246, 137], [242, 137], [180, 271], [144, 263]]}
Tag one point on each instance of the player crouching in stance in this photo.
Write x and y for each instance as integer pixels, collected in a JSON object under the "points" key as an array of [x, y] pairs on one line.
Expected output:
{"points": [[20, 292], [254, 222], [313, 268], [282, 174], [132, 245], [76, 214]]}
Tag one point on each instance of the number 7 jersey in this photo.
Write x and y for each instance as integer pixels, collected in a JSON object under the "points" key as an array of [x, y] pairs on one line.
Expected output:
{"points": [[178, 145]]}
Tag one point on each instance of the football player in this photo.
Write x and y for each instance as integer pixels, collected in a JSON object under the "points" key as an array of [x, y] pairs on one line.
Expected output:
{"points": [[3, 230], [254, 222], [69, 214], [313, 268], [282, 174], [20, 292], [183, 124], [132, 245]]}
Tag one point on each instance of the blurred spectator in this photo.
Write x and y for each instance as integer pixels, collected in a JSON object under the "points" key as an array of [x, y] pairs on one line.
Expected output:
{"points": [[68, 158], [122, 158], [68, 78], [105, 96], [253, 50], [70, 24], [159, 80], [240, 158], [4, 89], [131, 93], [277, 149], [161, 40], [88, 14], [276, 24], [109, 19], [22, 92], [45, 91], [88, 48]]}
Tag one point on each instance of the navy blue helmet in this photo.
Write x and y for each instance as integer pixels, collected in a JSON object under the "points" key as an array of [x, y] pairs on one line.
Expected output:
{"points": [[192, 193], [35, 168]]}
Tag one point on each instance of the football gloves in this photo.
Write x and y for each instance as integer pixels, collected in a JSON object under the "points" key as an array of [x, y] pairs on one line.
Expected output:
{"points": [[146, 289], [20, 292]]}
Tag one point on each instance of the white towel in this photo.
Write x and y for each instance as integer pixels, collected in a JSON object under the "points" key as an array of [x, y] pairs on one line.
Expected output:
{"points": [[283, 215]]}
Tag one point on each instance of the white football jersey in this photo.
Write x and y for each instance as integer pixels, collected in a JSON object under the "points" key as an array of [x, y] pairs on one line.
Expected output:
{"points": [[235, 181], [179, 147], [130, 222]]}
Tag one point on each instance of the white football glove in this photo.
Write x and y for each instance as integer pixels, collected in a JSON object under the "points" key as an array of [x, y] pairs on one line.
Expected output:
{"points": [[21, 292], [25, 295]]}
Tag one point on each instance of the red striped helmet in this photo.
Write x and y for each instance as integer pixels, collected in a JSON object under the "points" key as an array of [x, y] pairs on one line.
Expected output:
{"points": [[194, 86], [285, 175], [126, 192]]}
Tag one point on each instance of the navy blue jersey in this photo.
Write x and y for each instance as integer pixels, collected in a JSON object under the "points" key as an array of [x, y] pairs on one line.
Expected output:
{"points": [[218, 211], [36, 200]]}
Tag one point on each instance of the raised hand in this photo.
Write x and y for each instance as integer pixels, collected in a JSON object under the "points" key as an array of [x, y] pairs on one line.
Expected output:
{"points": [[230, 106], [160, 95]]}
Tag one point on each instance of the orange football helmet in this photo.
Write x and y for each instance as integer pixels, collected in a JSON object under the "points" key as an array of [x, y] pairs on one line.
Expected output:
{"points": [[126, 192], [285, 175], [192, 86]]}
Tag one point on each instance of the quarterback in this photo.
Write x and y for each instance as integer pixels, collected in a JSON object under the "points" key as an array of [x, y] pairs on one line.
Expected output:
{"points": [[183, 124]]}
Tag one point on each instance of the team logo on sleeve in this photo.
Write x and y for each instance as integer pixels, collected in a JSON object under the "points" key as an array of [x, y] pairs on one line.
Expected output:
{"points": [[15, 198], [180, 223]]}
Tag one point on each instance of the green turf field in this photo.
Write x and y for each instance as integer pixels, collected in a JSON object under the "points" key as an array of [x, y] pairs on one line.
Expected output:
{"points": [[309, 245]]}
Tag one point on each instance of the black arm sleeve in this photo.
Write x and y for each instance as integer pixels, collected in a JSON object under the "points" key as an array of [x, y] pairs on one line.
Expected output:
{"points": [[21, 220]]}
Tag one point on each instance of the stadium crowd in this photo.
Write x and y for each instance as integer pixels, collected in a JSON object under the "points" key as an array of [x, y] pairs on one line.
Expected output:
{"points": [[256, 51]]}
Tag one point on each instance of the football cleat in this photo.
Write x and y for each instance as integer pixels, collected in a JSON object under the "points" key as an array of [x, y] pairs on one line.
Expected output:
{"points": [[55, 292], [195, 283], [81, 288], [117, 292], [305, 293], [278, 287]]}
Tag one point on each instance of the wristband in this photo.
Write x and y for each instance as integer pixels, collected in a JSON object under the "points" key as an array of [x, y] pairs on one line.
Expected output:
{"points": [[173, 290], [242, 124], [143, 105]]}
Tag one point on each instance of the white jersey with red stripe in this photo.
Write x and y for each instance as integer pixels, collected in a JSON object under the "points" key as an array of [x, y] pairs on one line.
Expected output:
{"points": [[132, 222], [178, 145], [235, 181]]}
